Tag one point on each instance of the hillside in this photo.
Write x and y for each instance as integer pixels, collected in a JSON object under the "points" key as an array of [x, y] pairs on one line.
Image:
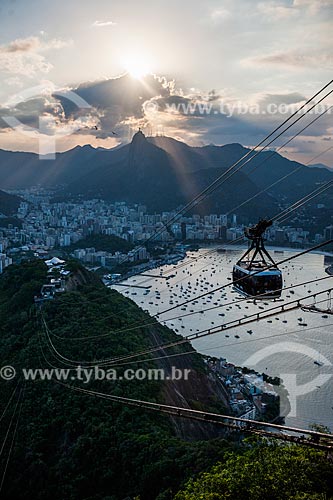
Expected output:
{"points": [[267, 168], [8, 203], [73, 446], [150, 175], [102, 242], [164, 173], [98, 449], [23, 170]]}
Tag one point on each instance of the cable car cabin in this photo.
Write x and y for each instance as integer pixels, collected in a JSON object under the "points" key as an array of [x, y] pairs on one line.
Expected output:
{"points": [[267, 283], [257, 277]]}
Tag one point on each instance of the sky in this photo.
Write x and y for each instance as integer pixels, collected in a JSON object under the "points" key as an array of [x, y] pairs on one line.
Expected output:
{"points": [[77, 72]]}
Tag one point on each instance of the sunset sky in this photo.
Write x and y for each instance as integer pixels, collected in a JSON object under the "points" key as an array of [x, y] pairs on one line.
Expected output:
{"points": [[130, 60]]}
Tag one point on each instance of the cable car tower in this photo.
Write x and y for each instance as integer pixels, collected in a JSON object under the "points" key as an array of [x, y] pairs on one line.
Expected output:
{"points": [[250, 274]]}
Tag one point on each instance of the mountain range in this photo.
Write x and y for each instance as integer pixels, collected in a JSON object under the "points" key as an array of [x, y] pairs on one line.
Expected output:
{"points": [[164, 173]]}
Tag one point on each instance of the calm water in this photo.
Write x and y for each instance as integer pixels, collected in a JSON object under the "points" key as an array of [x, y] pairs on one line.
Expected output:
{"points": [[284, 345]]}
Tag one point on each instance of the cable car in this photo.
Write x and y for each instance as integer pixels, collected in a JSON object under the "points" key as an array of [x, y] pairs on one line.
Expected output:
{"points": [[250, 274]]}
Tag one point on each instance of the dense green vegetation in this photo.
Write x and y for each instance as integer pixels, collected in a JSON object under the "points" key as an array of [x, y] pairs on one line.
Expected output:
{"points": [[71, 446], [102, 242], [265, 471]]}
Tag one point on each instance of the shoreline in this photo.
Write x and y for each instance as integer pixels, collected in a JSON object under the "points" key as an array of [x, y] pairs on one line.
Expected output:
{"points": [[227, 247], [230, 246]]}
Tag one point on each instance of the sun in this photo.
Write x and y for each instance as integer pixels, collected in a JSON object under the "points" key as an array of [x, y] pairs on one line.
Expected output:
{"points": [[137, 65]]}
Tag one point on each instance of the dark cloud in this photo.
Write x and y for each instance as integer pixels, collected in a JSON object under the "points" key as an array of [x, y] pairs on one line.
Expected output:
{"points": [[29, 112], [113, 107], [115, 100]]}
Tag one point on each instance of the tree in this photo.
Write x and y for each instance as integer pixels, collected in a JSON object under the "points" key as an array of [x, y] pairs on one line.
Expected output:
{"points": [[277, 472]]}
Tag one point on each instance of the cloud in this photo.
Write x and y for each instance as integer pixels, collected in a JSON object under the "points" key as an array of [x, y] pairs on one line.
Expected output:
{"points": [[54, 44], [32, 44], [14, 81], [122, 105], [313, 6], [294, 59], [276, 11], [286, 98], [220, 15], [25, 57], [101, 24], [27, 65], [29, 112], [20, 45], [112, 103]]}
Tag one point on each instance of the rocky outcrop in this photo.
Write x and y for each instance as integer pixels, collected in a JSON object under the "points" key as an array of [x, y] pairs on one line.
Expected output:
{"points": [[80, 277], [201, 391]]}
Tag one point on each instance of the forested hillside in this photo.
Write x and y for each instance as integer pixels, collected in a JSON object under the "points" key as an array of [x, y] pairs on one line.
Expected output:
{"points": [[72, 446]]}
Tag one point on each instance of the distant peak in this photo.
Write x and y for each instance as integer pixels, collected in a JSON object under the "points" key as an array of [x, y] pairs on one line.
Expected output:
{"points": [[138, 137], [138, 147]]}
